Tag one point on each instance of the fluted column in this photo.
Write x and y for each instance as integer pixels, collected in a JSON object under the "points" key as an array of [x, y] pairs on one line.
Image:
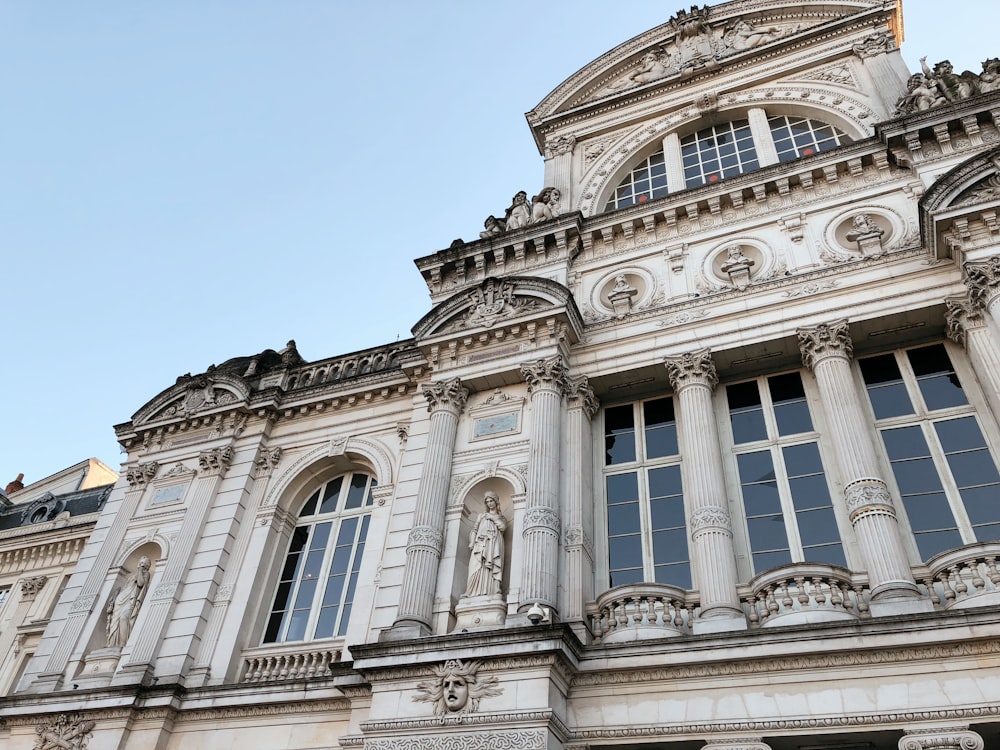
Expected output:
{"points": [[826, 350], [713, 556], [966, 326], [547, 384], [958, 737], [445, 401], [578, 502]]}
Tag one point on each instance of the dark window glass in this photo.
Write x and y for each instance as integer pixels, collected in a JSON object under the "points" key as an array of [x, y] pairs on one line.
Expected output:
{"points": [[660, 428], [886, 390], [936, 378], [619, 435], [790, 409], [746, 413], [795, 137]]}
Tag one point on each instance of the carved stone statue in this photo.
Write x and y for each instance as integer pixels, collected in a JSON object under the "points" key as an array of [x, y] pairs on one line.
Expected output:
{"points": [[486, 543], [518, 214], [932, 88], [653, 66], [989, 79], [737, 266], [862, 227], [745, 35], [545, 205], [952, 86], [492, 227], [123, 608], [921, 95], [457, 688]]}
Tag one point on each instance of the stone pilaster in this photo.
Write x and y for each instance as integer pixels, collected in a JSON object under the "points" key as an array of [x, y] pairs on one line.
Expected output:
{"points": [[445, 401], [958, 737], [966, 326], [578, 502], [547, 384], [826, 350], [713, 556]]}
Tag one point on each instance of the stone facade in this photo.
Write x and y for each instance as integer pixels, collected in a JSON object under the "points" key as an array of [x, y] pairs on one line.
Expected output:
{"points": [[696, 448]]}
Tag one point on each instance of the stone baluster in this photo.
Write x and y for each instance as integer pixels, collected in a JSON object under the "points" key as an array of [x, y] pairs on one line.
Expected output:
{"points": [[713, 556], [547, 384], [966, 326], [578, 494], [445, 401], [826, 350], [958, 737]]}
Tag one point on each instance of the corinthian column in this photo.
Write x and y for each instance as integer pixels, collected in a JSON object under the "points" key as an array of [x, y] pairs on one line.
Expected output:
{"points": [[713, 556], [983, 280], [826, 350], [965, 325], [547, 384], [445, 401]]}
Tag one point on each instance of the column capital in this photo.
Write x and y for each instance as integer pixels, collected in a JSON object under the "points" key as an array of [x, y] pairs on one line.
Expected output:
{"points": [[31, 586], [265, 462], [140, 474], [216, 460], [983, 280], [737, 743], [581, 396], [446, 395], [961, 314], [868, 495], [547, 374], [825, 340], [941, 738], [692, 368]]}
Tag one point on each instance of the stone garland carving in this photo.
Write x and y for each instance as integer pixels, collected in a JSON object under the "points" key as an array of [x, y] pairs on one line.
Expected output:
{"points": [[942, 85], [486, 543], [983, 280], [66, 732], [711, 517], [520, 213], [867, 495], [934, 738], [457, 688], [546, 373], [692, 368], [140, 474], [426, 537], [446, 394], [525, 739], [124, 603], [216, 460], [825, 340], [31, 586]]}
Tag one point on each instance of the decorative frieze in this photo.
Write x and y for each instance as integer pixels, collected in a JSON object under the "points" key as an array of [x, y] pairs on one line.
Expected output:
{"points": [[140, 474], [65, 732], [868, 495], [825, 340], [521, 739], [450, 395], [710, 517], [425, 538], [941, 738], [692, 368], [541, 518]]}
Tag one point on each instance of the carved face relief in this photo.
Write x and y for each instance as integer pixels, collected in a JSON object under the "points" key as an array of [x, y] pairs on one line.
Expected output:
{"points": [[456, 692]]}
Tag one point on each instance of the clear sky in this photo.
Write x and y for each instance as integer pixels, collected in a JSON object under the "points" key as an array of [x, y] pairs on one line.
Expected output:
{"points": [[182, 182]]}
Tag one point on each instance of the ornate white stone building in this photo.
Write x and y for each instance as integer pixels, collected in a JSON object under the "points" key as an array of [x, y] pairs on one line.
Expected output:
{"points": [[697, 448]]}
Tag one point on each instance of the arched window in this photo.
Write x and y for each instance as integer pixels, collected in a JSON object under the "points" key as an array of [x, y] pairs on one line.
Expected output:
{"points": [[717, 152], [320, 574], [800, 136], [648, 179]]}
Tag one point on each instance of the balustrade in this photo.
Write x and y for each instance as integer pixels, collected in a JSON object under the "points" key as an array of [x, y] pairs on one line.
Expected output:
{"points": [[964, 577], [804, 593], [642, 611], [265, 665]]}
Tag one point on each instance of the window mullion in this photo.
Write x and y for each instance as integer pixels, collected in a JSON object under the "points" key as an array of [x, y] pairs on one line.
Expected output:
{"points": [[760, 129]]}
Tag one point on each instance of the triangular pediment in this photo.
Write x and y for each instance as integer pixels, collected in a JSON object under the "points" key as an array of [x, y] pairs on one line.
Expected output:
{"points": [[692, 42]]}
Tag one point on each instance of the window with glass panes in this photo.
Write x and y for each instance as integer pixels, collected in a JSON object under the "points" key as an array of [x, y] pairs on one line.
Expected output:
{"points": [[943, 467], [320, 574], [800, 136], [647, 532], [717, 152], [4, 593], [786, 499], [647, 180]]}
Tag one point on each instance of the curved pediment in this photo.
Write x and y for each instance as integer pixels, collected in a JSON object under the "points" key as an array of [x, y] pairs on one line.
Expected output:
{"points": [[193, 395], [962, 191], [692, 42], [496, 301]]}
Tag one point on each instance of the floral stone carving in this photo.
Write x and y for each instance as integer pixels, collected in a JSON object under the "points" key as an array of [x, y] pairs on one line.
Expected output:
{"points": [[457, 688], [64, 733]]}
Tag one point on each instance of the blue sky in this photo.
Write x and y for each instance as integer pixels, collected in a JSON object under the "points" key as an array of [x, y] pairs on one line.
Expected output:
{"points": [[183, 182]]}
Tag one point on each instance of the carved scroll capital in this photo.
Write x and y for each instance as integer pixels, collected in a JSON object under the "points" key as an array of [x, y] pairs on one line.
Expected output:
{"points": [[140, 474], [941, 738], [446, 395], [692, 368], [426, 538], [961, 315], [825, 340], [868, 495], [547, 375], [31, 586], [581, 395], [266, 461], [983, 280], [216, 460]]}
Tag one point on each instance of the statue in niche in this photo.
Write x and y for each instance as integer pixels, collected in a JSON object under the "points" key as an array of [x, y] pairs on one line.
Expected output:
{"points": [[486, 543], [518, 214], [737, 267], [457, 688], [123, 608], [492, 227], [545, 205], [863, 226]]}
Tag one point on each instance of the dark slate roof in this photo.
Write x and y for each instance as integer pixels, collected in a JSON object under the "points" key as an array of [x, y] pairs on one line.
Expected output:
{"points": [[47, 506]]}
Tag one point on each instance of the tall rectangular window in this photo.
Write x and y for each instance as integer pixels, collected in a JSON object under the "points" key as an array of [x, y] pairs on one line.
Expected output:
{"points": [[786, 499], [944, 469], [647, 531]]}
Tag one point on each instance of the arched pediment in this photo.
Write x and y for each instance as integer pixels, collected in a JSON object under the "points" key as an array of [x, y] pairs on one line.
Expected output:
{"points": [[690, 43], [192, 395], [965, 189], [498, 300]]}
